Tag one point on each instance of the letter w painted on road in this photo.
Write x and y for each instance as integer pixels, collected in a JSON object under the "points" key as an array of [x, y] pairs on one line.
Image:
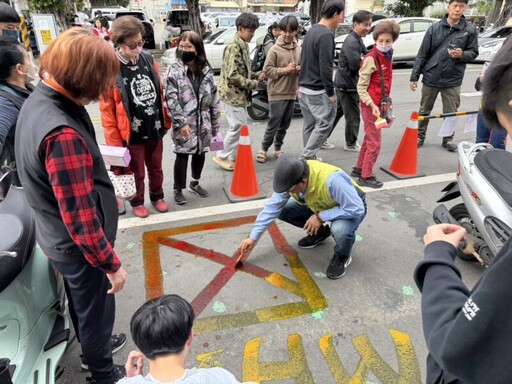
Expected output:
{"points": [[408, 367]]}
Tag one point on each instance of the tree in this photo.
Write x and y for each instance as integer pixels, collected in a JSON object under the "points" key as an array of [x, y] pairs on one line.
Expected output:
{"points": [[408, 8], [506, 13], [121, 3], [62, 9], [315, 10], [193, 16]]}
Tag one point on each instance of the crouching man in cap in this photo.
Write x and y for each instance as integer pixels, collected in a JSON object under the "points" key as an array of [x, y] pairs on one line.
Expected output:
{"points": [[307, 194]]}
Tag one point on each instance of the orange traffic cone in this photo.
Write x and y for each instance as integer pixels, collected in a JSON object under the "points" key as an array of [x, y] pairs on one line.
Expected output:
{"points": [[405, 162], [244, 185]]}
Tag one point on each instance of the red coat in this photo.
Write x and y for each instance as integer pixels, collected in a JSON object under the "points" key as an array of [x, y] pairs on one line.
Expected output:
{"points": [[374, 89]]}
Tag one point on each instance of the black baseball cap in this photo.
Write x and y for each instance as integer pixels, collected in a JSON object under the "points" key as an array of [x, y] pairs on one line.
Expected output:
{"points": [[287, 173]]}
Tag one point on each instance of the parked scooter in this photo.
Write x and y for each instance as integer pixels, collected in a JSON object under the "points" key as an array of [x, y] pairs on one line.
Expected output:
{"points": [[34, 330], [484, 181], [259, 108]]}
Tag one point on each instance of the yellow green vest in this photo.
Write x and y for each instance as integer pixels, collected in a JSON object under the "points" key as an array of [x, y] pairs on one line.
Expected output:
{"points": [[317, 194]]}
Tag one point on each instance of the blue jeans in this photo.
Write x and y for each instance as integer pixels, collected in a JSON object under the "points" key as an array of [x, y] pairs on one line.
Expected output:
{"points": [[495, 137], [342, 230]]}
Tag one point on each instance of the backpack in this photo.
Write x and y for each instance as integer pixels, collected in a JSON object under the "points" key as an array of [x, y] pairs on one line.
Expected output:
{"points": [[258, 60]]}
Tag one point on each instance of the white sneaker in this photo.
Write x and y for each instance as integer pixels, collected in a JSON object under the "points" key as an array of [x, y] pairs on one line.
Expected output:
{"points": [[327, 145], [352, 148]]}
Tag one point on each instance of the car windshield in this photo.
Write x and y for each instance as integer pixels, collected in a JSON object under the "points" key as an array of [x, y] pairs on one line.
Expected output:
{"points": [[498, 33], [213, 36], [227, 21]]}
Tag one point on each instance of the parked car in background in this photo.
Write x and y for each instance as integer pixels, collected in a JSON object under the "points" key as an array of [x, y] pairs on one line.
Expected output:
{"points": [[224, 21], [489, 43], [405, 48], [214, 46], [149, 32]]}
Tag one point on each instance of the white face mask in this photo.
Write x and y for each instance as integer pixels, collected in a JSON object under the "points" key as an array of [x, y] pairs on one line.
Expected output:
{"points": [[32, 73], [384, 48]]}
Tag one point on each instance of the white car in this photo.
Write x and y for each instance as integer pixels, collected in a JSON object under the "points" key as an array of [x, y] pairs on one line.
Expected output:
{"points": [[489, 43], [214, 46], [405, 48]]}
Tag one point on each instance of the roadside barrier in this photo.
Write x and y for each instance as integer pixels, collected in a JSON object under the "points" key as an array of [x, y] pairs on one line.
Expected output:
{"points": [[443, 115], [25, 36], [244, 185], [405, 162]]}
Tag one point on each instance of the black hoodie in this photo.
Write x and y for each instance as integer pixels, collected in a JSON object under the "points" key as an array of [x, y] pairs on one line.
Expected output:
{"points": [[468, 333]]}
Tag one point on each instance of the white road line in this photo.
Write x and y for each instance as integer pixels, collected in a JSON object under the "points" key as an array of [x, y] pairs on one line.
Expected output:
{"points": [[170, 217], [471, 94]]}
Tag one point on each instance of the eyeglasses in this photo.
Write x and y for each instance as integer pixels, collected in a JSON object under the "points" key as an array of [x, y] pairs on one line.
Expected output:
{"points": [[186, 47], [135, 45]]}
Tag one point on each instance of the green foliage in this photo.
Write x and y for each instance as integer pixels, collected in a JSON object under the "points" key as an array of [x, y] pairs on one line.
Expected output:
{"points": [[484, 7], [408, 8], [111, 3], [47, 5], [438, 14]]}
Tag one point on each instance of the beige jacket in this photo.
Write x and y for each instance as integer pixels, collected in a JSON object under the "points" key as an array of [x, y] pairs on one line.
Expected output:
{"points": [[282, 85]]}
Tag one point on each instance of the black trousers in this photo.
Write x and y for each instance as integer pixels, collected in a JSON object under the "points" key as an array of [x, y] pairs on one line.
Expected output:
{"points": [[92, 312], [180, 168]]}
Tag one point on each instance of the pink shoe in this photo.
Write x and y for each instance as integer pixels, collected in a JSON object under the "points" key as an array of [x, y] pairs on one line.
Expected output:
{"points": [[140, 211], [160, 205]]}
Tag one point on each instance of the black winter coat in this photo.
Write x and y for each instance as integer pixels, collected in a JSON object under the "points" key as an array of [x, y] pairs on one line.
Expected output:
{"points": [[434, 63], [351, 54]]}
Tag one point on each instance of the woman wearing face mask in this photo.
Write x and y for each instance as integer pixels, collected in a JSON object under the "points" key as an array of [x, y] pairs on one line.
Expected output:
{"points": [[16, 72], [133, 114], [370, 92], [193, 102]]}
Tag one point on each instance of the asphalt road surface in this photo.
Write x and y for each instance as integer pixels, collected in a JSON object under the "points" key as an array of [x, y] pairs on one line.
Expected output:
{"points": [[278, 318]]}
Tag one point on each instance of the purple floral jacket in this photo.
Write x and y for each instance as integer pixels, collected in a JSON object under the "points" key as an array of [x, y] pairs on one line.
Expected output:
{"points": [[201, 112]]}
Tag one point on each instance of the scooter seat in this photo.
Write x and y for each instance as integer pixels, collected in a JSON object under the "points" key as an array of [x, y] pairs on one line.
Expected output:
{"points": [[17, 235], [496, 166]]}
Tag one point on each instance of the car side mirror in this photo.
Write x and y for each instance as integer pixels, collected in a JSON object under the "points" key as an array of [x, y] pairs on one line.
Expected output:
{"points": [[220, 42]]}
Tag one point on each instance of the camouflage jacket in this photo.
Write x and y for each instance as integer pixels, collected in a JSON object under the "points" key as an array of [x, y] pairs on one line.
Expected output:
{"points": [[236, 79]]}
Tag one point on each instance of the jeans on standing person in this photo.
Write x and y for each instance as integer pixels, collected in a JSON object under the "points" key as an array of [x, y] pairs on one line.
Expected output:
{"points": [[342, 230], [180, 168], [495, 137], [281, 113], [318, 116], [236, 116], [347, 104], [147, 155], [371, 144]]}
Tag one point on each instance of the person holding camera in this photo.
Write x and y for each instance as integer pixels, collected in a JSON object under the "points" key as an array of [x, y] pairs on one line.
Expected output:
{"points": [[446, 48]]}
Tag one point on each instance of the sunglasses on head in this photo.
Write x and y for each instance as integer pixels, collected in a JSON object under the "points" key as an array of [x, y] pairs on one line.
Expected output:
{"points": [[135, 45]]}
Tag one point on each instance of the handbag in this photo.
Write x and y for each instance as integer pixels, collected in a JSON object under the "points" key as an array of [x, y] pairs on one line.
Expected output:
{"points": [[386, 104], [124, 185]]}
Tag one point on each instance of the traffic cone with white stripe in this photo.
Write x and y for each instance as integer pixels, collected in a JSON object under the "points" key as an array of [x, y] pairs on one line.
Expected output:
{"points": [[405, 162], [244, 185]]}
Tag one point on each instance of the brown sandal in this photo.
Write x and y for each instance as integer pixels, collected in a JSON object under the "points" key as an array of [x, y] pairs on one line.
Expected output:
{"points": [[261, 156], [278, 154]]}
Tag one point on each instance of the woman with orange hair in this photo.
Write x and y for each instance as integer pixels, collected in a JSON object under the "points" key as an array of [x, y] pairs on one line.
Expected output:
{"points": [[66, 184]]}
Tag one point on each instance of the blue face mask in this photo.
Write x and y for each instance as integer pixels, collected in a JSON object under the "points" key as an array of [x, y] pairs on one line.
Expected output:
{"points": [[11, 35]]}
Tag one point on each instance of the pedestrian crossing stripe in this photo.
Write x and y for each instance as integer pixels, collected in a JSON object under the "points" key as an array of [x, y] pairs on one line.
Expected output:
{"points": [[304, 286]]}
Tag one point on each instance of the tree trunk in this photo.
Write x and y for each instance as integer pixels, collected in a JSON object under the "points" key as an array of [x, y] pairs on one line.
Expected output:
{"points": [[193, 15], [505, 14], [315, 11]]}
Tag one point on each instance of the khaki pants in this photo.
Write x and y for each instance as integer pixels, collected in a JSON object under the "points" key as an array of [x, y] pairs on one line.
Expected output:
{"points": [[451, 102]]}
